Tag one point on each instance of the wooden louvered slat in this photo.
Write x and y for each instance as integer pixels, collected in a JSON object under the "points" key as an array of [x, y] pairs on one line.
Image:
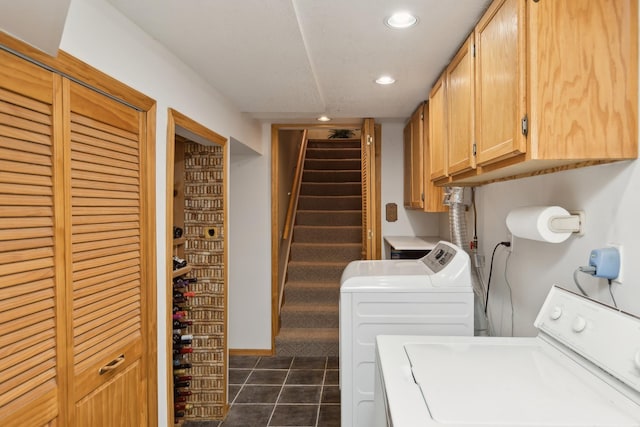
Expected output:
{"points": [[24, 179], [26, 222], [24, 266], [11, 166], [105, 252], [108, 318], [26, 298], [95, 269], [92, 311], [26, 277], [25, 311], [107, 345], [105, 131], [26, 146], [24, 321], [29, 380], [85, 342], [26, 335], [18, 256], [116, 144], [97, 185], [82, 238], [18, 245], [81, 248], [132, 159], [83, 291], [25, 360], [18, 211], [25, 124], [105, 219], [92, 175], [96, 159], [82, 287], [104, 194], [99, 226], [98, 294], [14, 109], [107, 170], [29, 190], [13, 292], [21, 134]]}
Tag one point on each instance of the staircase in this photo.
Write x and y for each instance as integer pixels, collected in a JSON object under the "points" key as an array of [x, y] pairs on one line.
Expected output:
{"points": [[327, 235]]}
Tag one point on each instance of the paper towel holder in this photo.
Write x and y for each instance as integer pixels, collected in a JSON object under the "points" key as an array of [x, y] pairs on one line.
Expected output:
{"points": [[573, 223]]}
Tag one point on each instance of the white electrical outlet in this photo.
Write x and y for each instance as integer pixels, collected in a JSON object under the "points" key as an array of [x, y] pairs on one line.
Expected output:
{"points": [[620, 277]]}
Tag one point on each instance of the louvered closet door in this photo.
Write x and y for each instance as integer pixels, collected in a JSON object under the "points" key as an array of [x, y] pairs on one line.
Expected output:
{"points": [[29, 343], [106, 261]]}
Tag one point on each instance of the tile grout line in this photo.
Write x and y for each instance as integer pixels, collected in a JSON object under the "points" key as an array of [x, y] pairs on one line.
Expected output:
{"points": [[275, 404], [324, 378]]}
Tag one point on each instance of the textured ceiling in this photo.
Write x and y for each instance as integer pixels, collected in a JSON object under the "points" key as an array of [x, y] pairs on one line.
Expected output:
{"points": [[297, 59]]}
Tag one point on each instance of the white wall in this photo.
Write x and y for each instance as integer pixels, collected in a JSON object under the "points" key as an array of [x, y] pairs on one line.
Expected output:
{"points": [[99, 35], [410, 222], [609, 195], [250, 249]]}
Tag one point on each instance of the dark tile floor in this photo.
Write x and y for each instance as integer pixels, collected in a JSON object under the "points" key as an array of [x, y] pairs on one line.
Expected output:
{"points": [[281, 391]]}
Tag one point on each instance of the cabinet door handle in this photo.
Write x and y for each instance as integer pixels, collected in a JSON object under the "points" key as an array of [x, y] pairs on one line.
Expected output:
{"points": [[112, 365]]}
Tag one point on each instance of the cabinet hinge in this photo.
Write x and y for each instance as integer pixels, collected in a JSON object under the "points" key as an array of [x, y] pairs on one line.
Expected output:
{"points": [[369, 140], [369, 234], [525, 125], [473, 50], [475, 147], [422, 196]]}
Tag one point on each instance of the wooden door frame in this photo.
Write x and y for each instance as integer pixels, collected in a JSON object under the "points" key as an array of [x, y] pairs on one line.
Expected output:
{"points": [[178, 120], [76, 70], [275, 233]]}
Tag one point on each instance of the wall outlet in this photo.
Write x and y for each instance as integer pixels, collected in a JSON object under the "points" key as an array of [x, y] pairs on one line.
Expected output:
{"points": [[511, 239], [620, 277]]}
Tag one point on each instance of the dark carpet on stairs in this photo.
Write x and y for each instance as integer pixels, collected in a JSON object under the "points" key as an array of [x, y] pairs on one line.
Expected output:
{"points": [[327, 236]]}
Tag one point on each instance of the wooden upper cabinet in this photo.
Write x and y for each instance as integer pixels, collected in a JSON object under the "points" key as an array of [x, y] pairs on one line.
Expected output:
{"points": [[460, 109], [583, 68], [433, 196], [500, 81], [413, 158], [438, 130]]}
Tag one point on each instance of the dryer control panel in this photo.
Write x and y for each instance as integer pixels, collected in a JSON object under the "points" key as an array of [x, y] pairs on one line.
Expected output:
{"points": [[440, 257]]}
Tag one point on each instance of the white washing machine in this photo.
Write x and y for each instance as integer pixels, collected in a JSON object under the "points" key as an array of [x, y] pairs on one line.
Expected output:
{"points": [[583, 369], [428, 296]]}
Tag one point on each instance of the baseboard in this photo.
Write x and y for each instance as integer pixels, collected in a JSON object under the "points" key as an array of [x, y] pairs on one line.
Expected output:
{"points": [[250, 352]]}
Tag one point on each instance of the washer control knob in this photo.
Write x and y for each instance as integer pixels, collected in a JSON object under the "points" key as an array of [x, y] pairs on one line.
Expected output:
{"points": [[579, 324], [636, 360], [556, 312]]}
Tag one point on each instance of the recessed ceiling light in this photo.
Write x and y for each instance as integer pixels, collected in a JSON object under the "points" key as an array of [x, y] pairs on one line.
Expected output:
{"points": [[385, 80], [401, 20], [323, 119]]}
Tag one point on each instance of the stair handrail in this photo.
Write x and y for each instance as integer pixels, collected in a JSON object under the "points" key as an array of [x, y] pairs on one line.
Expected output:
{"points": [[295, 188], [288, 224]]}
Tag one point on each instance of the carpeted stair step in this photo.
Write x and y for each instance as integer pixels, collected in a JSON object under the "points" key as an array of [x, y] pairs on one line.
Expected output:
{"points": [[329, 203], [322, 217], [325, 252], [333, 153], [307, 342], [327, 234], [309, 175], [312, 271], [331, 189], [318, 292], [309, 315], [334, 143], [332, 164]]}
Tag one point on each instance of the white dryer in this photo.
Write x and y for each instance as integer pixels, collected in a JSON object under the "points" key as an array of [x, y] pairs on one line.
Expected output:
{"points": [[583, 369], [429, 296]]}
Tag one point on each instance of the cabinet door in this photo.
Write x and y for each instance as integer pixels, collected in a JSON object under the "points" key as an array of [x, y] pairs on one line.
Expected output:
{"points": [[417, 142], [460, 107], [406, 157], [438, 130], [500, 81], [433, 196], [106, 293], [583, 64], [31, 274]]}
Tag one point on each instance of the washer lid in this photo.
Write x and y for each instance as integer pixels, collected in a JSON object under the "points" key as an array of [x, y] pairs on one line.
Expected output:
{"points": [[501, 384]]}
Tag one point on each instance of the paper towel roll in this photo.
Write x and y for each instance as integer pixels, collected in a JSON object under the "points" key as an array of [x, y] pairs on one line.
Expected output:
{"points": [[532, 222]]}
